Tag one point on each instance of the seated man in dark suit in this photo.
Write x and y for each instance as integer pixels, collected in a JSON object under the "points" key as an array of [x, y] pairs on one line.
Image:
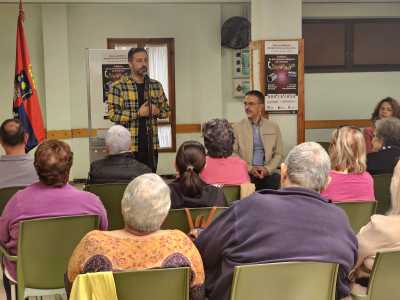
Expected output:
{"points": [[291, 224], [120, 164]]}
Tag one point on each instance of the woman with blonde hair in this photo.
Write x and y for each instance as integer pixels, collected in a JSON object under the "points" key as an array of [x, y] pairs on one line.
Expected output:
{"points": [[382, 233], [349, 180]]}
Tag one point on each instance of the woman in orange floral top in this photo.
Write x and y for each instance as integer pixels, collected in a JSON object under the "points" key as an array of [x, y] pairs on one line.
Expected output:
{"points": [[141, 245]]}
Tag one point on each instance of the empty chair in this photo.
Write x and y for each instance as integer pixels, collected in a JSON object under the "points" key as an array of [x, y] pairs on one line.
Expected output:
{"points": [[382, 192], [284, 281], [177, 218], [359, 213], [232, 193], [6, 194], [44, 248], [384, 280], [111, 195], [166, 284]]}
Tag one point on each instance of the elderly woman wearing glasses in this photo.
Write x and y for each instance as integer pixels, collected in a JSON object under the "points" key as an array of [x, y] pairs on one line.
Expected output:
{"points": [[349, 180]]}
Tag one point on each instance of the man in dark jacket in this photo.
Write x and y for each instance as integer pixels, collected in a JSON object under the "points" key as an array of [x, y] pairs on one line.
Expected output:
{"points": [[291, 224], [120, 164]]}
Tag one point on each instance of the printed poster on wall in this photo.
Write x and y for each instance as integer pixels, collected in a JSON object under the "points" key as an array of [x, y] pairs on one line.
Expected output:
{"points": [[281, 75], [111, 73]]}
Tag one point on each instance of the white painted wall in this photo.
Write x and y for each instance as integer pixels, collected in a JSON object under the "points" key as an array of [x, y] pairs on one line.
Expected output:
{"points": [[347, 95]]}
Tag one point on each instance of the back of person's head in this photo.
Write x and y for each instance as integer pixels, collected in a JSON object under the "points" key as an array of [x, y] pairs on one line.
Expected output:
{"points": [[190, 161], [53, 161], [145, 203], [388, 131], [394, 105], [218, 138], [308, 166], [348, 150], [12, 133], [395, 191], [259, 95], [118, 139]]}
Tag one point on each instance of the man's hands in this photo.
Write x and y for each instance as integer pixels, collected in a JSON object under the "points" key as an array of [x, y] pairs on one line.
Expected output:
{"points": [[259, 172], [144, 110]]}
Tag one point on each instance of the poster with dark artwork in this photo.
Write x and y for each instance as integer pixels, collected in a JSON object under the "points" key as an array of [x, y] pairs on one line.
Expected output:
{"points": [[281, 75], [111, 73]]}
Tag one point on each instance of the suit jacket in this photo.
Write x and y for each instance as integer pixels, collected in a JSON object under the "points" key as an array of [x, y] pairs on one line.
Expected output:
{"points": [[270, 136], [120, 167]]}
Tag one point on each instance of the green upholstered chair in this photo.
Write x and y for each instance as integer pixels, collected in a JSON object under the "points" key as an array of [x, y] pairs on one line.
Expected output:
{"points": [[111, 195], [232, 193], [358, 212], [44, 249], [384, 280], [177, 218], [382, 192], [325, 145], [6, 194], [165, 284], [284, 281]]}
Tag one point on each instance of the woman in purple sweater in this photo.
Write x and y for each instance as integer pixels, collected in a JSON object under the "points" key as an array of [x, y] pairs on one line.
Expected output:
{"points": [[52, 196], [349, 180]]}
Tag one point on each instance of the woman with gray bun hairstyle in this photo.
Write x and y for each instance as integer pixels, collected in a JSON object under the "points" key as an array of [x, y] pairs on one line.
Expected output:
{"points": [[141, 244], [221, 166]]}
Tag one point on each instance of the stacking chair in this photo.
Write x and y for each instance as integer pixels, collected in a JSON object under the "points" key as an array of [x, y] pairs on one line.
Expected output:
{"points": [[111, 195], [232, 193], [166, 284], [177, 218], [6, 194], [359, 213], [44, 249], [384, 280], [325, 145], [285, 280], [382, 192]]}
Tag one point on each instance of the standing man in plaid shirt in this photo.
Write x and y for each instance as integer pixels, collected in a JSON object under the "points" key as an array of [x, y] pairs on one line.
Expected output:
{"points": [[128, 105]]}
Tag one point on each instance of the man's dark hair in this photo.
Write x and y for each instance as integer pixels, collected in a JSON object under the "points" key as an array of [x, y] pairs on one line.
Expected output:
{"points": [[260, 96], [12, 136], [133, 51]]}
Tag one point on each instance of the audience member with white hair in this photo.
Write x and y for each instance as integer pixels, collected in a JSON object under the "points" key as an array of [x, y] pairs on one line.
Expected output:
{"points": [[141, 244], [386, 146], [293, 223], [120, 164]]}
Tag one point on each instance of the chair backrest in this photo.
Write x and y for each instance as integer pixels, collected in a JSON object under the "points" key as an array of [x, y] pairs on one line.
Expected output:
{"points": [[325, 145], [166, 284], [382, 192], [177, 219], [232, 193], [358, 212], [385, 276], [6, 194], [111, 195], [285, 280], [45, 247]]}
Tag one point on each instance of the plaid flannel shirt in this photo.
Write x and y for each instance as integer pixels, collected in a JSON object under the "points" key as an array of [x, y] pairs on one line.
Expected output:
{"points": [[123, 106]]}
